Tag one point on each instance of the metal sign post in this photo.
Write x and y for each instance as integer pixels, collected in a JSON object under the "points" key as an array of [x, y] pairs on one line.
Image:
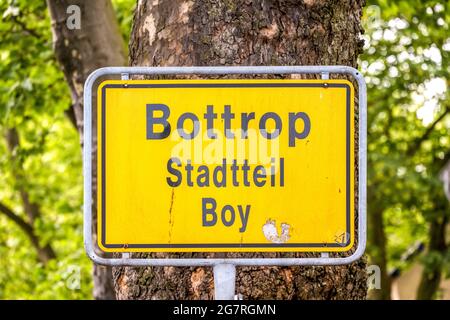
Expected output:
{"points": [[224, 268], [224, 281]]}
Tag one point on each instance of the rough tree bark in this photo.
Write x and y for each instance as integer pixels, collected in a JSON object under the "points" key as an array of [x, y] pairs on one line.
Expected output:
{"points": [[96, 44], [225, 32]]}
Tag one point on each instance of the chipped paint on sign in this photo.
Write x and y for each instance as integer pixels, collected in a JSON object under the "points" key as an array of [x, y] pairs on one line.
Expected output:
{"points": [[270, 232]]}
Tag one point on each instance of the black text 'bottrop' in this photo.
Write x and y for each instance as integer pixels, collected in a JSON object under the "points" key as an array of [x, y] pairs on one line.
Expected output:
{"points": [[227, 116]]}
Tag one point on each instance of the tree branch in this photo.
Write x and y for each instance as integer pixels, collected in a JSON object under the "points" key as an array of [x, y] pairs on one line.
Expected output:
{"points": [[13, 141], [415, 145], [45, 253], [25, 226], [24, 27], [440, 163], [70, 114]]}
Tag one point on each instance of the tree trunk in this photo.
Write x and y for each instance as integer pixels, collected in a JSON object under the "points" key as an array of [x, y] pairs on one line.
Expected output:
{"points": [[224, 32], [431, 277], [97, 43], [377, 240]]}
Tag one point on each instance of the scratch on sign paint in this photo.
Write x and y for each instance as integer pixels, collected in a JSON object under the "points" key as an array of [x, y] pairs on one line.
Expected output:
{"points": [[170, 215]]}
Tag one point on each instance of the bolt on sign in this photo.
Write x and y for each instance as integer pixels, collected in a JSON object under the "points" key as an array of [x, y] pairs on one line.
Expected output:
{"points": [[225, 165]]}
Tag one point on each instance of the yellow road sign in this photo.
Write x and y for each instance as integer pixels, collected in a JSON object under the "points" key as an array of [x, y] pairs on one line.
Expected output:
{"points": [[225, 165]]}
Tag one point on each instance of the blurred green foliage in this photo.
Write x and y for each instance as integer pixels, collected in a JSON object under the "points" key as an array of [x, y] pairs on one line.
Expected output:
{"points": [[33, 98], [124, 12], [407, 70], [406, 64]]}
